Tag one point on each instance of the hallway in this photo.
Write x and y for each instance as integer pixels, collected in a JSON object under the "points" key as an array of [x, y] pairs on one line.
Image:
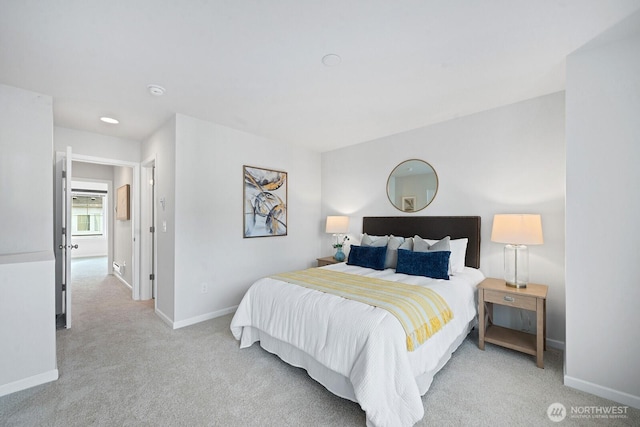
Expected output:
{"points": [[98, 297]]}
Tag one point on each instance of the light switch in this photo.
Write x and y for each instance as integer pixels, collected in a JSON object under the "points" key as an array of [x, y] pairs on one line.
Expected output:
{"points": [[164, 226]]}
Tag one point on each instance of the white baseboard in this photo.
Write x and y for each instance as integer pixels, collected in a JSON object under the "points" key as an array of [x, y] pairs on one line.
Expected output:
{"points": [[29, 382], [558, 345], [119, 277], [164, 318], [89, 255], [606, 392], [203, 317]]}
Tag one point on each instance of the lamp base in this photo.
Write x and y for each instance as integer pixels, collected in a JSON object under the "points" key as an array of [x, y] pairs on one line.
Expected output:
{"points": [[516, 266], [516, 285]]}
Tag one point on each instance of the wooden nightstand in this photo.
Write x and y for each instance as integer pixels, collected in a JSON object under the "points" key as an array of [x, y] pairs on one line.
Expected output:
{"points": [[328, 260], [533, 298]]}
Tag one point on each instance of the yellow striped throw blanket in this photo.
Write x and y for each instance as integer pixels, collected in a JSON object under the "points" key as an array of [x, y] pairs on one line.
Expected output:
{"points": [[421, 311]]}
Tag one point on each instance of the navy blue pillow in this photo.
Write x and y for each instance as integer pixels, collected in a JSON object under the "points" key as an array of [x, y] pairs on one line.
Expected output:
{"points": [[368, 256], [429, 264]]}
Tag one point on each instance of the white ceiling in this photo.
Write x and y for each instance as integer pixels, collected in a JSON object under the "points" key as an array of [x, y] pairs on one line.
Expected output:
{"points": [[256, 65]]}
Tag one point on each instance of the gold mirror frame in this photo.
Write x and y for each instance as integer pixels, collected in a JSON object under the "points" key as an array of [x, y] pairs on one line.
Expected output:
{"points": [[412, 185]]}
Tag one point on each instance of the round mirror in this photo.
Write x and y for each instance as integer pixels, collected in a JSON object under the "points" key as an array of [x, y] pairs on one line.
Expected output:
{"points": [[412, 185]]}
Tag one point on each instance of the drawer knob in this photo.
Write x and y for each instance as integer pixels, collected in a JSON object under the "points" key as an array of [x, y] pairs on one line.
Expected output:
{"points": [[508, 298]]}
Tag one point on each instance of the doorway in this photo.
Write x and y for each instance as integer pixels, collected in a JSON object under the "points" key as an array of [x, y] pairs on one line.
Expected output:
{"points": [[91, 213], [132, 228]]}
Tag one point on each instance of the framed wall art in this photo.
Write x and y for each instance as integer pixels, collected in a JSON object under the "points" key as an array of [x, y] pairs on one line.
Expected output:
{"points": [[123, 212], [265, 202], [409, 203]]}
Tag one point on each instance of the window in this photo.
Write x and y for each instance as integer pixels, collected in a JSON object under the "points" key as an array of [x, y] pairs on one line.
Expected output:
{"points": [[83, 222], [87, 215]]}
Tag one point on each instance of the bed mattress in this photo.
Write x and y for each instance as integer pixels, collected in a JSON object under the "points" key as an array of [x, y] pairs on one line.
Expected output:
{"points": [[355, 350]]}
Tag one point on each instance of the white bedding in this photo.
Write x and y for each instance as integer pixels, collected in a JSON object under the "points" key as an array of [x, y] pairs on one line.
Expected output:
{"points": [[342, 342]]}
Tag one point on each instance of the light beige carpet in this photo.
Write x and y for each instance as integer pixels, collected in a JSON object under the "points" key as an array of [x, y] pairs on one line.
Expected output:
{"points": [[120, 365]]}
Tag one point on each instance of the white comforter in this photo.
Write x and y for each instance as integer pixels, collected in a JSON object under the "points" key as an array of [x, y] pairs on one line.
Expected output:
{"points": [[363, 343]]}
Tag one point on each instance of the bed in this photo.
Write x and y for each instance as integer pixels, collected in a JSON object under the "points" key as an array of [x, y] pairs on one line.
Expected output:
{"points": [[358, 351]]}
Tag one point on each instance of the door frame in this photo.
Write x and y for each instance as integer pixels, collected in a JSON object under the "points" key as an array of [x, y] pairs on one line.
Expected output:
{"points": [[135, 211], [148, 242]]}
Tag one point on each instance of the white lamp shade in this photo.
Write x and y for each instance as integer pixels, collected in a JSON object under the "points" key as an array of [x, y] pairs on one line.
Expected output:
{"points": [[337, 224], [517, 229]]}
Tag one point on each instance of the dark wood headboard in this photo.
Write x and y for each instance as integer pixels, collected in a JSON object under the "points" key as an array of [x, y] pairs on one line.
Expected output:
{"points": [[430, 227]]}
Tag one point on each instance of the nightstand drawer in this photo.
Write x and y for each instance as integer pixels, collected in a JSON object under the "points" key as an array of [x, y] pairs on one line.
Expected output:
{"points": [[510, 299]]}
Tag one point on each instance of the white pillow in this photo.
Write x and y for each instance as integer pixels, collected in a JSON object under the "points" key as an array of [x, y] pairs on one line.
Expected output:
{"points": [[375, 241], [391, 242], [407, 244], [458, 253], [423, 245], [394, 244]]}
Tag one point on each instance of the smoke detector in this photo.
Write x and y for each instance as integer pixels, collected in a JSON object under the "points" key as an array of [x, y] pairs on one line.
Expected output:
{"points": [[156, 90], [331, 60]]}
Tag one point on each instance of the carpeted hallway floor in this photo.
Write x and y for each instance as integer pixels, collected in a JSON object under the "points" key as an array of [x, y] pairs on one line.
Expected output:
{"points": [[120, 365]]}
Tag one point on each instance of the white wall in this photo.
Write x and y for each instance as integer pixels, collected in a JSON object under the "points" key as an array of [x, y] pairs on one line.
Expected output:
{"points": [[91, 171], [27, 268], [96, 145], [122, 229], [162, 145], [506, 160], [25, 171], [603, 211], [199, 176], [27, 316], [207, 225]]}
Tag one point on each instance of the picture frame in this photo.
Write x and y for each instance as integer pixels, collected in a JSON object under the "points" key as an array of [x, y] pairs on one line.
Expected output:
{"points": [[265, 202], [409, 203], [123, 211]]}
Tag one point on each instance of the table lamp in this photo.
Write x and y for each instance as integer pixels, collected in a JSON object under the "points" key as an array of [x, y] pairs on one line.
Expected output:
{"points": [[517, 231], [338, 225]]}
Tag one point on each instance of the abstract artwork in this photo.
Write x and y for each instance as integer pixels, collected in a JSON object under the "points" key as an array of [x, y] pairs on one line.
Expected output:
{"points": [[265, 202], [123, 213], [409, 203]]}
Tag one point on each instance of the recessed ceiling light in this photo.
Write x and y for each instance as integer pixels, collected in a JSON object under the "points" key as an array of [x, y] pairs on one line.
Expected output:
{"points": [[331, 60], [109, 120], [156, 90]]}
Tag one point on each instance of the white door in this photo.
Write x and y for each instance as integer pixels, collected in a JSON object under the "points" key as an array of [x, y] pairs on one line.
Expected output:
{"points": [[66, 182], [148, 256], [63, 239]]}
